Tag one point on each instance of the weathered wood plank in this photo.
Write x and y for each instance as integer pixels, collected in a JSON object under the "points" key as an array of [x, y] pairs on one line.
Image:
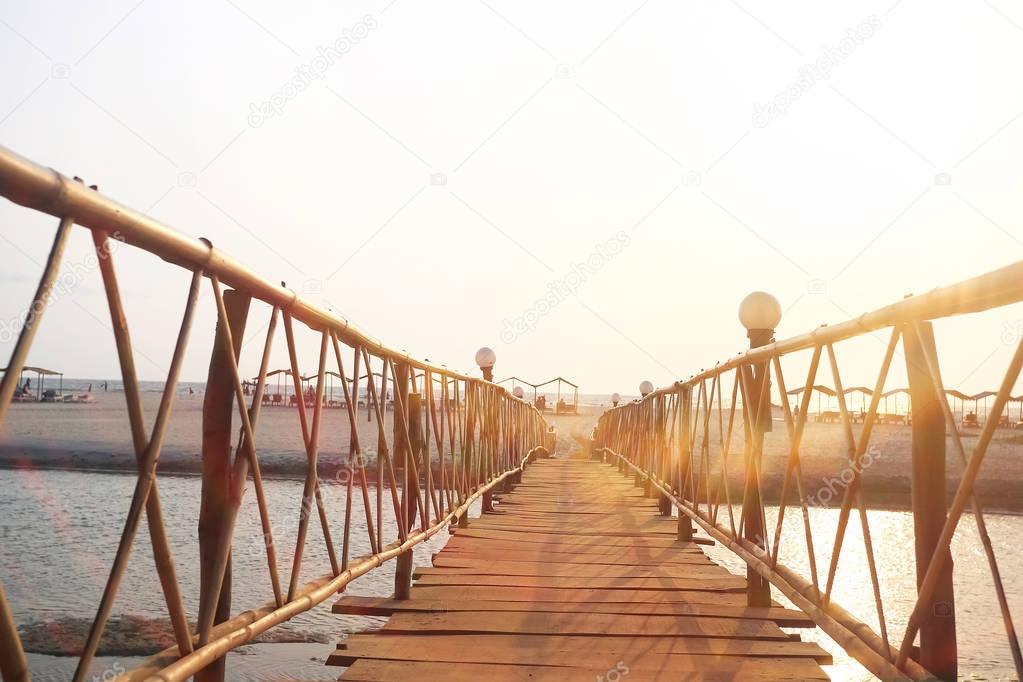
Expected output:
{"points": [[574, 576], [593, 596], [499, 560], [573, 541], [687, 670], [384, 606], [580, 571], [594, 624], [595, 528], [464, 543], [564, 650], [726, 584], [618, 558]]}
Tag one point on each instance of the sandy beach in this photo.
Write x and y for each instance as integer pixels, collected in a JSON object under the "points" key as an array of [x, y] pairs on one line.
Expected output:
{"points": [[44, 445], [95, 437]]}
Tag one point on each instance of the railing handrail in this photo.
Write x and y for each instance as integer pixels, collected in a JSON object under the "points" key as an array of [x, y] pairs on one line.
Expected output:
{"points": [[833, 619], [993, 289], [44, 189], [170, 666], [666, 438], [478, 440]]}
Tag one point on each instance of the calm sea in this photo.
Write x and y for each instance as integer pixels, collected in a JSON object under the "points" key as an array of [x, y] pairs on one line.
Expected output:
{"points": [[59, 530]]}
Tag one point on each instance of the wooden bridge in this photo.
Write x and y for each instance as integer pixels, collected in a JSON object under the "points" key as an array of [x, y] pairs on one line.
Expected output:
{"points": [[576, 575], [582, 568]]}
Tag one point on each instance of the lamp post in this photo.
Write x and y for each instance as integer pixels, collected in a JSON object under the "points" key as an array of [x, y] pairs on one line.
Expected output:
{"points": [[759, 313], [485, 358], [646, 387], [615, 399]]}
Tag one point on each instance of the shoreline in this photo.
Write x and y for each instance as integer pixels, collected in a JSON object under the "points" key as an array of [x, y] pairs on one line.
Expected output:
{"points": [[880, 493]]}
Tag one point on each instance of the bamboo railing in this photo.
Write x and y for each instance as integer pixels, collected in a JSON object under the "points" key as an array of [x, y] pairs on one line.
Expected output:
{"points": [[682, 442], [455, 438]]}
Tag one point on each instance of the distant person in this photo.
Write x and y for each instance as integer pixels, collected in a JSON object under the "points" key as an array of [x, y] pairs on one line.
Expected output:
{"points": [[28, 384], [191, 391], [90, 388]]}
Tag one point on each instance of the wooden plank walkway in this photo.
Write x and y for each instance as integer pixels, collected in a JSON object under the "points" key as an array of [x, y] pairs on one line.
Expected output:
{"points": [[575, 577]]}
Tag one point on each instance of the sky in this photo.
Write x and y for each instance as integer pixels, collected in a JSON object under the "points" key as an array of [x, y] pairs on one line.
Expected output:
{"points": [[588, 188]]}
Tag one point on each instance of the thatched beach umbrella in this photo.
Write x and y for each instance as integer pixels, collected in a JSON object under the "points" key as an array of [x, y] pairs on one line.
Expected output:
{"points": [[562, 380], [962, 399], [894, 392], [864, 392], [821, 390], [983, 395]]}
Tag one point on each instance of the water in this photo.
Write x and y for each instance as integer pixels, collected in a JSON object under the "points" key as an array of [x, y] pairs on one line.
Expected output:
{"points": [[983, 646], [59, 530]]}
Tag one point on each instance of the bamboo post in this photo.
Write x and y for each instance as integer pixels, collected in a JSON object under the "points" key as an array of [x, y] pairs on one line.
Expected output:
{"points": [[413, 405], [938, 648], [13, 664], [402, 420], [685, 524], [664, 464], [758, 589], [12, 375], [486, 440], [215, 504], [463, 432]]}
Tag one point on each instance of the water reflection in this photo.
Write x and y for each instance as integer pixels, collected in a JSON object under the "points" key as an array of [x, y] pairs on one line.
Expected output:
{"points": [[983, 646]]}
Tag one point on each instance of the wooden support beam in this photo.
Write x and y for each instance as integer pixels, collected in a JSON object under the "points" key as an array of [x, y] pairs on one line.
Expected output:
{"points": [[215, 498], [938, 648], [402, 455], [758, 589]]}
